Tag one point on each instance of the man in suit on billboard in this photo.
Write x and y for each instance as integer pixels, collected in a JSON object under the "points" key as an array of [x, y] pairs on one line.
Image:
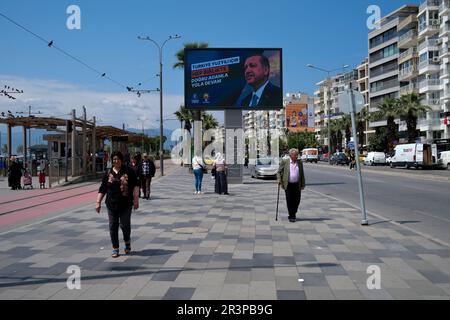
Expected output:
{"points": [[264, 93]]}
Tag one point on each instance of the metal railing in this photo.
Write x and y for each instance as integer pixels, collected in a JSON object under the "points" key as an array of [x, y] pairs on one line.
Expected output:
{"points": [[408, 71], [409, 88], [410, 51], [429, 82], [407, 36]]}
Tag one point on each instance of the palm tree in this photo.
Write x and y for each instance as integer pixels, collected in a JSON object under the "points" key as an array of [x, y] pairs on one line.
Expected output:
{"points": [[361, 122], [184, 115], [209, 122], [336, 134], [410, 109], [180, 54], [389, 110]]}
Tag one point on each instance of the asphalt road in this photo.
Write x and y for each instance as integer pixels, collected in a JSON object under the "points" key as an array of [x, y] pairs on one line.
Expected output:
{"points": [[412, 198]]}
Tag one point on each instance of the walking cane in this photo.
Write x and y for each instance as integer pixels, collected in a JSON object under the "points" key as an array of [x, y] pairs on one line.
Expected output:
{"points": [[278, 201]]}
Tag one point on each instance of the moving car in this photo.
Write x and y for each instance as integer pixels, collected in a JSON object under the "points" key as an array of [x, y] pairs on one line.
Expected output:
{"points": [[310, 155], [339, 158], [265, 168], [375, 158], [444, 160], [418, 155]]}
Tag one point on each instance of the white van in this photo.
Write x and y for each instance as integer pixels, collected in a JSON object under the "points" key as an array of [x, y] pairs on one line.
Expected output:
{"points": [[444, 160], [310, 155], [374, 158], [414, 155]]}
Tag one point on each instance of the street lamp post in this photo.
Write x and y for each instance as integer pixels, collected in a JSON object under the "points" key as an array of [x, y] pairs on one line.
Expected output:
{"points": [[160, 48], [328, 114]]}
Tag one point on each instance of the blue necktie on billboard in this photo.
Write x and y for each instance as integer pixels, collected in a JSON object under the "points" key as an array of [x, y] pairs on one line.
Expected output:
{"points": [[254, 101]]}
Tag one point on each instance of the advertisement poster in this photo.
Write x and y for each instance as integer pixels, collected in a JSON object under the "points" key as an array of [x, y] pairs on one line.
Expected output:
{"points": [[233, 79], [299, 117]]}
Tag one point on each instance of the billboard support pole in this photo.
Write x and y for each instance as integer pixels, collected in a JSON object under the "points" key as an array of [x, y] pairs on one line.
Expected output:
{"points": [[233, 121]]}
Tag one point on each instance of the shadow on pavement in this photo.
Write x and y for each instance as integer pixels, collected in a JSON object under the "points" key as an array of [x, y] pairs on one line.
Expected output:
{"points": [[152, 252], [320, 265]]}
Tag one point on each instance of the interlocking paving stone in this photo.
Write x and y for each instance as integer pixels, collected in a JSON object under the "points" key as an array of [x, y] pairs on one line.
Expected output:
{"points": [[243, 253]]}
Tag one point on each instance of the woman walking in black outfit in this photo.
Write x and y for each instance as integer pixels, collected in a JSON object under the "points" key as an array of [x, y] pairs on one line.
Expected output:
{"points": [[122, 193]]}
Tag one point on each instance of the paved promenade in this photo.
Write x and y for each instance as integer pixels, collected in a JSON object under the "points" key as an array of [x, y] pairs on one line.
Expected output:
{"points": [[207, 246]]}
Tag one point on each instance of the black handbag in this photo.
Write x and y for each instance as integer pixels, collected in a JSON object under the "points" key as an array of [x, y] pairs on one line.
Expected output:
{"points": [[213, 171]]}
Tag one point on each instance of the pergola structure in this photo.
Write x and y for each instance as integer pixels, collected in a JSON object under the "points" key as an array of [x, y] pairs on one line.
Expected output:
{"points": [[65, 126]]}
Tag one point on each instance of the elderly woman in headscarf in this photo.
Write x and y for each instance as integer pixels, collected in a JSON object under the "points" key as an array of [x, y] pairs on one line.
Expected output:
{"points": [[221, 186]]}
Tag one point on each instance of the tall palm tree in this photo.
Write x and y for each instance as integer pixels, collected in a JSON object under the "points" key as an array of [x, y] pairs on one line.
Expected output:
{"points": [[410, 109], [361, 122], [209, 122], [184, 115], [336, 134], [389, 109], [180, 54]]}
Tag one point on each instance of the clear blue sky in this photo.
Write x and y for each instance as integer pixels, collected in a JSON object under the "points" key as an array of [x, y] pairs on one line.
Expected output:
{"points": [[325, 33]]}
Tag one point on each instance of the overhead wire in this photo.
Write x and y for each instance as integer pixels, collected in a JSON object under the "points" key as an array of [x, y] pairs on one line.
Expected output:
{"points": [[51, 44]]}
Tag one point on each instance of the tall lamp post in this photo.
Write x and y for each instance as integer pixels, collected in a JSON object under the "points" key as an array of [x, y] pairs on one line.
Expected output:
{"points": [[160, 48], [328, 115]]}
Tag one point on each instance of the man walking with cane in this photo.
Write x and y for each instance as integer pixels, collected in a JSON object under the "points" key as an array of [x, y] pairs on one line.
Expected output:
{"points": [[292, 179]]}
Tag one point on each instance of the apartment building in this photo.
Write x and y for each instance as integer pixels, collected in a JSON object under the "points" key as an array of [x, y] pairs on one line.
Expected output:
{"points": [[384, 53], [326, 101], [415, 41], [363, 87]]}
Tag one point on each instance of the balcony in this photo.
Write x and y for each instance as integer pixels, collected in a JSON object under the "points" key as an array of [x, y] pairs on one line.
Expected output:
{"points": [[444, 8], [429, 44], [429, 4], [407, 22], [430, 66], [429, 28], [407, 55], [429, 124], [408, 73], [429, 85], [408, 89], [445, 51], [408, 39], [445, 72], [444, 31]]}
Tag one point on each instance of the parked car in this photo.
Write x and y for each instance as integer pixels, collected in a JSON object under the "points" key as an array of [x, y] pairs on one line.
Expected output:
{"points": [[265, 168], [418, 155], [444, 160], [375, 158], [324, 157], [339, 158]]}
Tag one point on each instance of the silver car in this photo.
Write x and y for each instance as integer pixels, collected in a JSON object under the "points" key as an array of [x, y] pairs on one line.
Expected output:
{"points": [[265, 168]]}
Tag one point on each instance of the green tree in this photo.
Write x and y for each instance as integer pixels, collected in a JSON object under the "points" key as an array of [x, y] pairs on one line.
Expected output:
{"points": [[379, 141], [185, 115], [4, 149], [389, 110], [336, 134], [209, 122], [410, 109], [19, 149], [361, 123], [180, 54], [302, 140]]}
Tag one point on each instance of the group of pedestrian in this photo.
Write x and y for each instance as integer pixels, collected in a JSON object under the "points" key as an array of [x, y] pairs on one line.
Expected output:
{"points": [[121, 185], [218, 172]]}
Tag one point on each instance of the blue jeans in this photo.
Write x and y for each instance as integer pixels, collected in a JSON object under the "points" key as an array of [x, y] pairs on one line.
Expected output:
{"points": [[198, 173]]}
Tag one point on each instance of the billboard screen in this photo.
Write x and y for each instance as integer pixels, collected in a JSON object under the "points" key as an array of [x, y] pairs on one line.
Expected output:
{"points": [[233, 79]]}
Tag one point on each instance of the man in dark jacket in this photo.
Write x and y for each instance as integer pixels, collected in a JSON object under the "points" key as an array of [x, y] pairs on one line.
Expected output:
{"points": [[264, 93], [292, 179], [147, 171]]}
